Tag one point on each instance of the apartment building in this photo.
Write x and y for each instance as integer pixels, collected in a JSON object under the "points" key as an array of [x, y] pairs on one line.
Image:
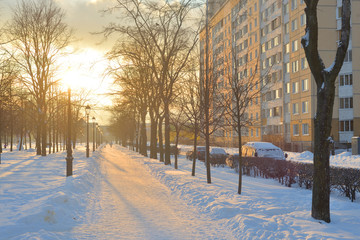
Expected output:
{"points": [[266, 35]]}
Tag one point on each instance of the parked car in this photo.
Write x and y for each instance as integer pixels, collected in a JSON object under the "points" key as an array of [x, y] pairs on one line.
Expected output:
{"points": [[190, 154], [218, 156], [232, 160], [201, 150], [262, 149]]}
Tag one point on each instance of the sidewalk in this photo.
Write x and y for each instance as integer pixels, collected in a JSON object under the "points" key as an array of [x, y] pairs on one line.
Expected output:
{"points": [[129, 203]]}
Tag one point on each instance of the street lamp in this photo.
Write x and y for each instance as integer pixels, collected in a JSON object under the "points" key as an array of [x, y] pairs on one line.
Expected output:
{"points": [[94, 137], [69, 157], [87, 111]]}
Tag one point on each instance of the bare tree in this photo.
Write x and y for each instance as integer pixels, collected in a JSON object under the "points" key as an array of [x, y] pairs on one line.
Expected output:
{"points": [[7, 77], [192, 108], [163, 27], [178, 120], [38, 36], [325, 81], [244, 88], [135, 75]]}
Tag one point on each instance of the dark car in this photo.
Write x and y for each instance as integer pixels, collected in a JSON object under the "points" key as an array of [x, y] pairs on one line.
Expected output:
{"points": [[201, 153], [218, 156]]}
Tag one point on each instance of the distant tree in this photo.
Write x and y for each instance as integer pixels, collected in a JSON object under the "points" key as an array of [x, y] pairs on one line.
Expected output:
{"points": [[38, 35], [178, 120], [135, 76], [162, 26], [7, 76], [192, 107], [325, 79]]}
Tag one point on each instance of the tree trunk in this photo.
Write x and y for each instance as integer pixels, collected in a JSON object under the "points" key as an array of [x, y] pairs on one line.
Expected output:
{"points": [[43, 134], [38, 138], [207, 96], [321, 186], [29, 133], [325, 81], [11, 129], [50, 142], [153, 137], [167, 135], [195, 149], [143, 143], [176, 147], [240, 159], [54, 134], [161, 149]]}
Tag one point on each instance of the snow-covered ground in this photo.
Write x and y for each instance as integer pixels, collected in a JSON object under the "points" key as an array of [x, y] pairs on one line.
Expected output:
{"points": [[118, 194]]}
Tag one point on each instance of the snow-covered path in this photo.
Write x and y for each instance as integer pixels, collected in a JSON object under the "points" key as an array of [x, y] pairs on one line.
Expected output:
{"points": [[119, 194], [129, 203]]}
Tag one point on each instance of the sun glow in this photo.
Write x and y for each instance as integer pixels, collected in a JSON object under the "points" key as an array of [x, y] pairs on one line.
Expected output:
{"points": [[84, 71]]}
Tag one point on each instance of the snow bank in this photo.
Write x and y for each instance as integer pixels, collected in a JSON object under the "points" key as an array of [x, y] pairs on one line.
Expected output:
{"points": [[264, 210], [40, 201], [343, 159]]}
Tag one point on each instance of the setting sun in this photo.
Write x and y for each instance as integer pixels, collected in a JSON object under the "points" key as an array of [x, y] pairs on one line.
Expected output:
{"points": [[85, 71]]}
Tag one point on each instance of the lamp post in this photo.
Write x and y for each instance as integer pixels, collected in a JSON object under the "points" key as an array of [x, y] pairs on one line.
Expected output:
{"points": [[94, 137], [87, 111], [69, 157]]}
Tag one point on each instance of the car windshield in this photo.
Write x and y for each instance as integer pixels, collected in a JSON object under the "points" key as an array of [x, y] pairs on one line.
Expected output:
{"points": [[218, 151]]}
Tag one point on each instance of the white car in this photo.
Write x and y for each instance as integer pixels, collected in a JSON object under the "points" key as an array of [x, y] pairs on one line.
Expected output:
{"points": [[262, 149]]}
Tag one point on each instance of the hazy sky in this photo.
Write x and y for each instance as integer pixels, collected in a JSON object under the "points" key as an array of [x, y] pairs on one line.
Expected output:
{"points": [[84, 16], [87, 63]]}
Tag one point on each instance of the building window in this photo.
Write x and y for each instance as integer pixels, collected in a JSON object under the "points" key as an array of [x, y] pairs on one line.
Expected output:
{"points": [[295, 108], [294, 45], [305, 129], [304, 63], [287, 48], [286, 8], [303, 19], [277, 111], [346, 126], [346, 79], [295, 87], [287, 108], [287, 68], [305, 85], [305, 107], [286, 28], [257, 132], [295, 66], [346, 103], [348, 56], [338, 12], [296, 129], [287, 87], [294, 25], [293, 4]]}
